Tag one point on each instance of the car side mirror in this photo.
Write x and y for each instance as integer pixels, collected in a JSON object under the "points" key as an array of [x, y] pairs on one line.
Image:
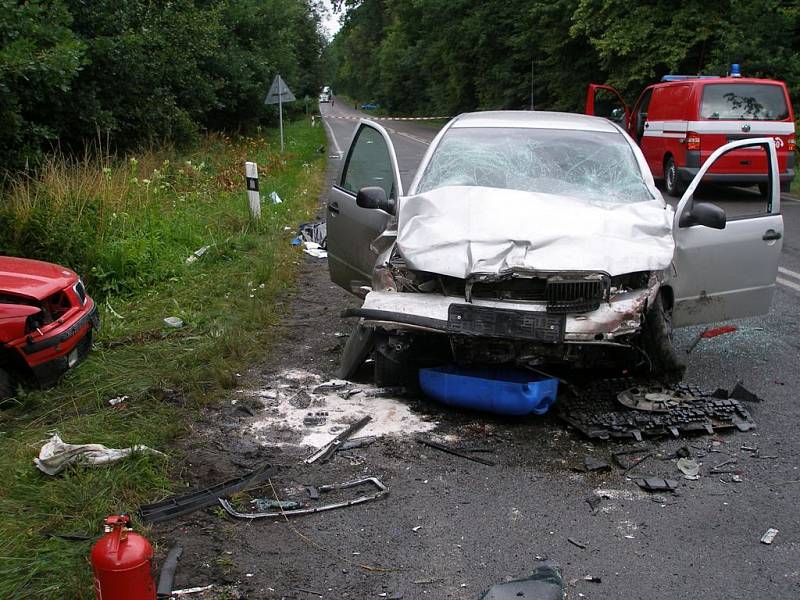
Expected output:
{"points": [[703, 213], [375, 197]]}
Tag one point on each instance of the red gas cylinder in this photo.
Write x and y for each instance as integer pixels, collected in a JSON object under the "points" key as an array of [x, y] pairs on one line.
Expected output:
{"points": [[122, 562]]}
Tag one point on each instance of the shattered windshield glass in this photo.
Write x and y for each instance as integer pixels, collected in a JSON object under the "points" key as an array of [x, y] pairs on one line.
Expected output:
{"points": [[596, 166]]}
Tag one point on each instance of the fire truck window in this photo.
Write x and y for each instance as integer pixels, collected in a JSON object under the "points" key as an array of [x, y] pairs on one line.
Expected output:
{"points": [[607, 104]]}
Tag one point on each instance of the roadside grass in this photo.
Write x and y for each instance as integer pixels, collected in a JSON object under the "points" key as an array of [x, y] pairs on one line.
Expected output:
{"points": [[136, 270]]}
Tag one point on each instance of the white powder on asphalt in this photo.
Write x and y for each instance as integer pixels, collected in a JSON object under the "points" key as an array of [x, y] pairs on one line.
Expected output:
{"points": [[390, 416]]}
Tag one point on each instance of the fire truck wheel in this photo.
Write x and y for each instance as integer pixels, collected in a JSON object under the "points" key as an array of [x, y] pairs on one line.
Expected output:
{"points": [[671, 180]]}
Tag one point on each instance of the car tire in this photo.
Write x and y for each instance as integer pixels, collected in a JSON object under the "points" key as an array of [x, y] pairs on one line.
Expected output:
{"points": [[763, 190], [786, 187], [672, 180], [6, 386], [657, 342], [388, 372]]}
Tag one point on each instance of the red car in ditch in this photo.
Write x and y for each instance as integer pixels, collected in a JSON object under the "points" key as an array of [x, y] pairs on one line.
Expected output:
{"points": [[46, 322]]}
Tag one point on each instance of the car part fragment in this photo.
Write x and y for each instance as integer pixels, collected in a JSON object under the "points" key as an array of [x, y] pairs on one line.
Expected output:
{"points": [[453, 451], [596, 412], [188, 503], [328, 449], [544, 584], [382, 491], [167, 575]]}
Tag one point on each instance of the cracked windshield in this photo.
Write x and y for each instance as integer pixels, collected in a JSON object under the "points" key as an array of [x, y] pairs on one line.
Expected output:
{"points": [[593, 166]]}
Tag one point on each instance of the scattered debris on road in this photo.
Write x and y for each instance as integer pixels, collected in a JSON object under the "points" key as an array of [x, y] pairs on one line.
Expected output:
{"points": [[769, 536], [177, 506], [544, 584], [709, 333], [577, 543], [454, 451], [328, 449], [194, 590], [598, 412], [265, 504], [690, 468], [56, 455], [382, 491], [656, 484], [590, 464], [740, 392]]}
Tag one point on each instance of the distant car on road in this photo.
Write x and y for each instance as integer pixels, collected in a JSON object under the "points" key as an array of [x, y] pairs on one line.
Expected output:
{"points": [[324, 97], [370, 106], [536, 237], [46, 322]]}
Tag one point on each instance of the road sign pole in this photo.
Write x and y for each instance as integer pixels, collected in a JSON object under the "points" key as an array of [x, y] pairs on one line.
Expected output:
{"points": [[280, 107]]}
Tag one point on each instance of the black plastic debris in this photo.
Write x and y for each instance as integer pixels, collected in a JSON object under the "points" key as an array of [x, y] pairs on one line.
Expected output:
{"points": [[596, 412], [167, 575], [740, 392], [177, 506], [656, 484], [590, 463], [544, 584]]}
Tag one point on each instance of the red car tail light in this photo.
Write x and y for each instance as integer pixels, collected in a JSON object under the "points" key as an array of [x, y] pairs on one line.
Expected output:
{"points": [[692, 141]]}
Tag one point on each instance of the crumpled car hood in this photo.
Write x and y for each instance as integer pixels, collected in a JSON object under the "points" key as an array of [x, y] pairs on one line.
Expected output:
{"points": [[461, 231], [32, 278]]}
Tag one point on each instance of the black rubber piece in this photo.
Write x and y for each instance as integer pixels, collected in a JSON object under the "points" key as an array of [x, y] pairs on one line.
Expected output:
{"points": [[183, 505], [656, 340], [167, 575], [358, 347]]}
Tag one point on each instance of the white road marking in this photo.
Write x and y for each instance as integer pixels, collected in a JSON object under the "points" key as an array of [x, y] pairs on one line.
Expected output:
{"points": [[413, 138], [333, 137], [789, 272], [789, 284]]}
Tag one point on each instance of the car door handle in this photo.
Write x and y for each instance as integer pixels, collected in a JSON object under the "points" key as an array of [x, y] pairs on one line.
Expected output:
{"points": [[771, 234], [334, 207]]}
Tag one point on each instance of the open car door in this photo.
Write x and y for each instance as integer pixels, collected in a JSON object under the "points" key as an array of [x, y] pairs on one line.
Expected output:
{"points": [[605, 101], [725, 267], [370, 162]]}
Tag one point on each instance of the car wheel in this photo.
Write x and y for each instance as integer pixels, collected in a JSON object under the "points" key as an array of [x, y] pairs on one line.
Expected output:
{"points": [[657, 341], [786, 187], [6, 385], [356, 350], [388, 372], [671, 180], [763, 189]]}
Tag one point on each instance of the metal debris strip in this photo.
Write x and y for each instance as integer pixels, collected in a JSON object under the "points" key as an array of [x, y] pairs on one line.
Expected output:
{"points": [[187, 503], [597, 413], [382, 491], [328, 449], [453, 451]]}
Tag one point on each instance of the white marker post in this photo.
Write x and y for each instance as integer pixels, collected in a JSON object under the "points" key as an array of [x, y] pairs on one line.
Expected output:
{"points": [[254, 197]]}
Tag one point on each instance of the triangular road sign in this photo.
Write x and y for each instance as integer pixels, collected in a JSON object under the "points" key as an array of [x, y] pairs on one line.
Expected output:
{"points": [[278, 92]]}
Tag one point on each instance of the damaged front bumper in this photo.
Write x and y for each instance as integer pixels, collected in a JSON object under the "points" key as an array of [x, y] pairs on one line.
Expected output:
{"points": [[611, 323]]}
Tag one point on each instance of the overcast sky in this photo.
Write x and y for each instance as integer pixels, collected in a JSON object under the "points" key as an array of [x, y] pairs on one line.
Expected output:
{"points": [[330, 21]]}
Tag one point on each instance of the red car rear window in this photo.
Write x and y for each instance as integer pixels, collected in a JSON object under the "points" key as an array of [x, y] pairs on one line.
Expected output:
{"points": [[744, 101]]}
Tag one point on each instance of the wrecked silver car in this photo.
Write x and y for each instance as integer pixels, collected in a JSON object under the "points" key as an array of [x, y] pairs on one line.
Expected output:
{"points": [[533, 237]]}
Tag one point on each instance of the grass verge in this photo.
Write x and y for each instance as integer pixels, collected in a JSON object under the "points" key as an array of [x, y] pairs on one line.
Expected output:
{"points": [[136, 223]]}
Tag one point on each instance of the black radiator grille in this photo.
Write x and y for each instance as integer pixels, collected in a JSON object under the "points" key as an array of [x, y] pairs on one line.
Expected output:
{"points": [[575, 295]]}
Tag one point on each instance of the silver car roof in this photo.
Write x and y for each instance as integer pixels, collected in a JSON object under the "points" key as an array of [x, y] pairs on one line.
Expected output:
{"points": [[533, 120]]}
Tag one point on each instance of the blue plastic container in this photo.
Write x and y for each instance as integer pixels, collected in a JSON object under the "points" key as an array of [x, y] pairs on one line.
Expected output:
{"points": [[501, 391]]}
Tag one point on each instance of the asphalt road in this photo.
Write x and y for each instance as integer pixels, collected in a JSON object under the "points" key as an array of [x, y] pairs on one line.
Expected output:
{"points": [[490, 524], [449, 527]]}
